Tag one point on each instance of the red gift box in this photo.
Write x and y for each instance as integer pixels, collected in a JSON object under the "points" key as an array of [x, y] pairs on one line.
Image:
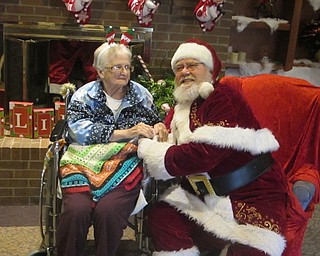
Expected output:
{"points": [[1, 122], [20, 118], [59, 109], [43, 121]]}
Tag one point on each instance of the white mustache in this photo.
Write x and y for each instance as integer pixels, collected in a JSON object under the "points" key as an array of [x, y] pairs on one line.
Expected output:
{"points": [[186, 78]]}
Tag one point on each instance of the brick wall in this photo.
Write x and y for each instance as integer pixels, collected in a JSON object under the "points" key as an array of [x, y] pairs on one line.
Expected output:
{"points": [[173, 23], [22, 159], [21, 163]]}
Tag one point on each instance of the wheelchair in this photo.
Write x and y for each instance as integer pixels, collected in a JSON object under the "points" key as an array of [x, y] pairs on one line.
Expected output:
{"points": [[50, 202]]}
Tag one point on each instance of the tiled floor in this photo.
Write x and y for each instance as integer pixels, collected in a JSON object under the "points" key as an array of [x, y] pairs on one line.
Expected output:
{"points": [[20, 234]]}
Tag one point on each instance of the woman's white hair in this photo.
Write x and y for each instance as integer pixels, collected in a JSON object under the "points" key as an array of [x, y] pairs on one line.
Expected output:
{"points": [[103, 52]]}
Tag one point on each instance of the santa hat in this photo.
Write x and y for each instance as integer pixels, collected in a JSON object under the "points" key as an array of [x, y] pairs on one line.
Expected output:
{"points": [[201, 51]]}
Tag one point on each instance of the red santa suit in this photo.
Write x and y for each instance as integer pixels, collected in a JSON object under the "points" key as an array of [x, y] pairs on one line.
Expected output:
{"points": [[215, 134]]}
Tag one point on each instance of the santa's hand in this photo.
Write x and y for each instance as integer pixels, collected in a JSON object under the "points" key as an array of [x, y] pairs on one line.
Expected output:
{"points": [[145, 147], [153, 155], [161, 132]]}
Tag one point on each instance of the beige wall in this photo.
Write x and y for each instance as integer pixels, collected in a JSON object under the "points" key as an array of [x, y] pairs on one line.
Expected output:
{"points": [[173, 23]]}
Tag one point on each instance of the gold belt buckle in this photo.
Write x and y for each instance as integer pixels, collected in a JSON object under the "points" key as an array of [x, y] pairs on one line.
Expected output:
{"points": [[201, 185]]}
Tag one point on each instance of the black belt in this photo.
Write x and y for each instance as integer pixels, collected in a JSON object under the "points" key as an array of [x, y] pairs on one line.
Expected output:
{"points": [[227, 183]]}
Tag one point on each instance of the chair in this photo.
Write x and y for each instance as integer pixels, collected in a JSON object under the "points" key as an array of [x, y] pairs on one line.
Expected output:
{"points": [[50, 195], [290, 108]]}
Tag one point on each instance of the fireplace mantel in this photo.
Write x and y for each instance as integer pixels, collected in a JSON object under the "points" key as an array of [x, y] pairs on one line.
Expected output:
{"points": [[27, 58], [48, 31]]}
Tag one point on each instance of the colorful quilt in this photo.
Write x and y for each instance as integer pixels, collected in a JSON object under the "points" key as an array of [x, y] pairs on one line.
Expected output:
{"points": [[97, 168]]}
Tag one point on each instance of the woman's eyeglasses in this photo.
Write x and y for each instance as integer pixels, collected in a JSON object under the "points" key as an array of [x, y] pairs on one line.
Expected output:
{"points": [[190, 66], [119, 68]]}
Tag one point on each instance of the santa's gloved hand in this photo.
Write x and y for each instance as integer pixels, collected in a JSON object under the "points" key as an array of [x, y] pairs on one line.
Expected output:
{"points": [[153, 154]]}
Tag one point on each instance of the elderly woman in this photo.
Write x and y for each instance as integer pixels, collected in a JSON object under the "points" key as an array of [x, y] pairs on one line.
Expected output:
{"points": [[104, 116]]}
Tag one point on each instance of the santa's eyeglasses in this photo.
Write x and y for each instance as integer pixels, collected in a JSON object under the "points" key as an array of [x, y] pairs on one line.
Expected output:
{"points": [[119, 68], [190, 66]]}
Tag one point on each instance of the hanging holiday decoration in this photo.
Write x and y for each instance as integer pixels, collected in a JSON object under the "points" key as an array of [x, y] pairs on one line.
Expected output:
{"points": [[126, 37], [144, 10], [81, 10], [208, 12]]}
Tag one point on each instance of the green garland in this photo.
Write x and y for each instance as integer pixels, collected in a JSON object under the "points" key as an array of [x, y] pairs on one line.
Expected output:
{"points": [[162, 91]]}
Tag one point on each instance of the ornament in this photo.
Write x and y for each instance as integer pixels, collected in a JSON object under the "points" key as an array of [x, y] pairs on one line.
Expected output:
{"points": [[81, 10], [208, 12], [144, 10]]}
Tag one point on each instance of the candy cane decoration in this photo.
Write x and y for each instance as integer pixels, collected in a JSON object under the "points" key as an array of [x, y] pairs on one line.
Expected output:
{"points": [[144, 66]]}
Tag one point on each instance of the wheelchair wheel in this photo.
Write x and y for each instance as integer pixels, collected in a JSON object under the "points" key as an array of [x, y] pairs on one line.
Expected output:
{"points": [[42, 252], [38, 253]]}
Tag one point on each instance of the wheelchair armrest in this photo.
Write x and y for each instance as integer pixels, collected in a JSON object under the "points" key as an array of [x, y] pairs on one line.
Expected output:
{"points": [[58, 130]]}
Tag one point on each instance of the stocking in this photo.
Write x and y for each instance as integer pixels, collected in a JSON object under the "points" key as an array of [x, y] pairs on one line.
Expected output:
{"points": [[144, 10], [208, 12], [81, 10]]}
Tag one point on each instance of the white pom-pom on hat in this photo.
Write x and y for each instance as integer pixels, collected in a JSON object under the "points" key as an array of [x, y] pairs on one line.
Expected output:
{"points": [[205, 90]]}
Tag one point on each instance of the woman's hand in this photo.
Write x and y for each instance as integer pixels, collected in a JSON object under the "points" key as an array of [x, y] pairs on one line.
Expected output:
{"points": [[141, 130], [161, 131]]}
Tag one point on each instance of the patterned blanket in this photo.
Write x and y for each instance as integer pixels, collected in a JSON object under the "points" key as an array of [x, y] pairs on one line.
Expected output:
{"points": [[97, 168]]}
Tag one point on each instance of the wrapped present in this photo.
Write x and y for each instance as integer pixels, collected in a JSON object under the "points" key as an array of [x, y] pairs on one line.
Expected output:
{"points": [[20, 118], [1, 122], [59, 109], [43, 121]]}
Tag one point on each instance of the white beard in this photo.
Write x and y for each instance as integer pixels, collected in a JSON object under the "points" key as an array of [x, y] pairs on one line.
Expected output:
{"points": [[184, 95]]}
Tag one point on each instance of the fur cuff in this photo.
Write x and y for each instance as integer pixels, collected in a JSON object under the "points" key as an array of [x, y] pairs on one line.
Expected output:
{"points": [[153, 154], [241, 139], [193, 251]]}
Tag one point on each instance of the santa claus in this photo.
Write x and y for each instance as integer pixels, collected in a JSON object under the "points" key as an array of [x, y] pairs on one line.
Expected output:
{"points": [[230, 196]]}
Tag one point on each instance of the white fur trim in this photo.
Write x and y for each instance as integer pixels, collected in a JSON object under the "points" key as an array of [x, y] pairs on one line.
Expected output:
{"points": [[193, 51], [193, 251], [205, 90], [153, 154], [180, 123], [241, 139], [214, 216]]}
